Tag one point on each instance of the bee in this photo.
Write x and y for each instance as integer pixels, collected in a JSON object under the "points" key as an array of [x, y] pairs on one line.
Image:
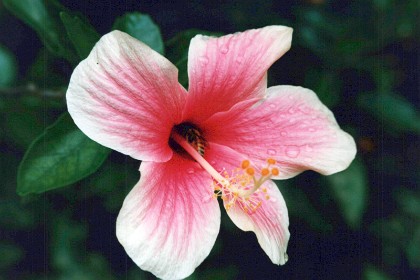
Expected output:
{"points": [[194, 137]]}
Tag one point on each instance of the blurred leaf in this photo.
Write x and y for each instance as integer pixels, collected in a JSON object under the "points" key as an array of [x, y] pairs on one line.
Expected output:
{"points": [[409, 202], [43, 71], [372, 273], [112, 182], [22, 128], [299, 206], [317, 31], [395, 20], [350, 190], [60, 156], [393, 233], [391, 110], [43, 17], [8, 67], [15, 217], [230, 272], [325, 84], [10, 254], [81, 33], [69, 256], [177, 51], [413, 249], [141, 27]]}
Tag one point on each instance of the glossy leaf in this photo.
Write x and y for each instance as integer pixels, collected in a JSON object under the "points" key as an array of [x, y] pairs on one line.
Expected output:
{"points": [[349, 189], [60, 156], [8, 67], [141, 27], [81, 34], [43, 17], [393, 111]]}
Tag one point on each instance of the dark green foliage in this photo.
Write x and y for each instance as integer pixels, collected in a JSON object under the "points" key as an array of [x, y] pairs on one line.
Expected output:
{"points": [[8, 67], [349, 188], [141, 27], [81, 34], [62, 155], [44, 17], [360, 57]]}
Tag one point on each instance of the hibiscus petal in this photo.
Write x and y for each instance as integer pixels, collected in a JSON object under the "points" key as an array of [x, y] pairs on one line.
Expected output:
{"points": [[126, 96], [224, 71], [291, 126], [169, 221], [270, 221]]}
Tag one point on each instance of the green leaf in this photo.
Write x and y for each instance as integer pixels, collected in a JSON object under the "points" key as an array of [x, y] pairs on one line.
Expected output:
{"points": [[81, 33], [111, 183], [141, 27], [177, 51], [10, 254], [372, 273], [43, 17], [8, 67], [22, 127], [62, 155], [392, 110], [300, 206], [43, 71], [325, 84], [413, 249], [349, 189], [409, 202]]}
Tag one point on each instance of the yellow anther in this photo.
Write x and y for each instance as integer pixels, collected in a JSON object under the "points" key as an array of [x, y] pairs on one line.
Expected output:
{"points": [[267, 197], [275, 171], [264, 190], [250, 171], [245, 164], [271, 161], [265, 172]]}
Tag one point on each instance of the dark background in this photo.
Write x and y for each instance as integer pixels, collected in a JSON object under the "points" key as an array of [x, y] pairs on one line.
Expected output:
{"points": [[360, 57]]}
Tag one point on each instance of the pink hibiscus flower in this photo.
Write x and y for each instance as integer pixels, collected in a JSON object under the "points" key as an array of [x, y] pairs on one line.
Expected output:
{"points": [[227, 136]]}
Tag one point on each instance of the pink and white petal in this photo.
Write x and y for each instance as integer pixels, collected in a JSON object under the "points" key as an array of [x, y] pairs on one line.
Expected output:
{"points": [[126, 96], [168, 223], [291, 126], [224, 71], [270, 221]]}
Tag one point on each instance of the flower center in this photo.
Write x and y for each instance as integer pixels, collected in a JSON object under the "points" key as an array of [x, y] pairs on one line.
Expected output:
{"points": [[192, 134], [240, 187]]}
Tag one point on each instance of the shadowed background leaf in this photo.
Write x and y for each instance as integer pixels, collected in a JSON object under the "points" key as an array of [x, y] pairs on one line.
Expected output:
{"points": [[359, 57]]}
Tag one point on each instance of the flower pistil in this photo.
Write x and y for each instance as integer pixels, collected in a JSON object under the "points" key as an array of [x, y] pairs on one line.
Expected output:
{"points": [[242, 186]]}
